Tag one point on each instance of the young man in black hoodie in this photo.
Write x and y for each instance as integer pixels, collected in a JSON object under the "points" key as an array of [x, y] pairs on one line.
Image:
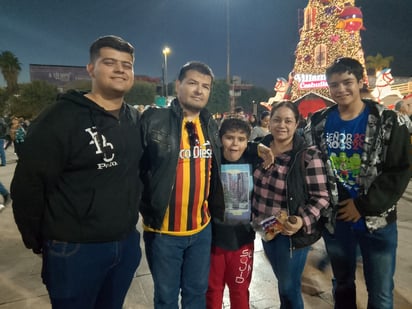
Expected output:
{"points": [[76, 188]]}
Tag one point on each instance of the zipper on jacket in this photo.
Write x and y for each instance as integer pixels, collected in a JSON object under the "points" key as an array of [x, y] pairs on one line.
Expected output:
{"points": [[288, 198]]}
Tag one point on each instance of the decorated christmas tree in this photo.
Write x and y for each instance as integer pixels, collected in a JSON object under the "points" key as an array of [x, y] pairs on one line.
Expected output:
{"points": [[331, 29]]}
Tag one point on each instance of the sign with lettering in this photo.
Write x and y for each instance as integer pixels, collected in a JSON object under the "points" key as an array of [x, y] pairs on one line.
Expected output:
{"points": [[310, 81]]}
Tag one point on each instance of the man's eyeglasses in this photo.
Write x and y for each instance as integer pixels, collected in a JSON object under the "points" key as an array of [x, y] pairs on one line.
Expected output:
{"points": [[191, 131]]}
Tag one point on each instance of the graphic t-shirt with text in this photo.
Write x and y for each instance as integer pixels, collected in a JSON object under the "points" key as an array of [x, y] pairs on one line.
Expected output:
{"points": [[345, 140]]}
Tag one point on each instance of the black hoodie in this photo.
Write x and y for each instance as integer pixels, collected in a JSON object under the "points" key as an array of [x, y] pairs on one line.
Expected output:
{"points": [[77, 176]]}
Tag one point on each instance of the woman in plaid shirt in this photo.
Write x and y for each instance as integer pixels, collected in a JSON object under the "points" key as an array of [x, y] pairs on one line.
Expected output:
{"points": [[296, 184]]}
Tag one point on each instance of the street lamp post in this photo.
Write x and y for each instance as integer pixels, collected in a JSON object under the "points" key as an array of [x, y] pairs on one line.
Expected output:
{"points": [[254, 108], [166, 51]]}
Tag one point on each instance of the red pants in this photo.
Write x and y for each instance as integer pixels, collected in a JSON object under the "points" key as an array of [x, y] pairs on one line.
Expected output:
{"points": [[233, 268]]}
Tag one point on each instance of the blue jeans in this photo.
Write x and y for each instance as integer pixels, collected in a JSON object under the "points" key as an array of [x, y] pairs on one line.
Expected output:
{"points": [[378, 251], [2, 152], [179, 263], [288, 269], [3, 190], [90, 275]]}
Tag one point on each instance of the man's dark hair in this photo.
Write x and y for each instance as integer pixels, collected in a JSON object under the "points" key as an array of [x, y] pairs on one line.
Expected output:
{"points": [[111, 41], [195, 66], [234, 124], [343, 65]]}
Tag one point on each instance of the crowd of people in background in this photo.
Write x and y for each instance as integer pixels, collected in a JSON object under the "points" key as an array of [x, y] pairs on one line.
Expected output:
{"points": [[404, 108], [12, 132], [333, 175]]}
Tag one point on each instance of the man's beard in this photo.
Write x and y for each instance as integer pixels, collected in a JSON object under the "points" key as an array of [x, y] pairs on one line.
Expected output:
{"points": [[191, 108]]}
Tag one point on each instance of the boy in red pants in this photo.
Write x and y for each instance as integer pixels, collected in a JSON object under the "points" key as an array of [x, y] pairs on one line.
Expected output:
{"points": [[233, 240]]}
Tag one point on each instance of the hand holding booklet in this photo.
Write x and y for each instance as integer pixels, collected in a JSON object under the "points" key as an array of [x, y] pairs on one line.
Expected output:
{"points": [[269, 227]]}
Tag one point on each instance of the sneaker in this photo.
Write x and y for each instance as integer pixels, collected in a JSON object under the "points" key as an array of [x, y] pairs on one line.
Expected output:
{"points": [[7, 199], [2, 207]]}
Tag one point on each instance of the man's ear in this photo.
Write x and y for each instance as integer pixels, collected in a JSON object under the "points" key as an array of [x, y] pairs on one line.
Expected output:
{"points": [[361, 83], [90, 68]]}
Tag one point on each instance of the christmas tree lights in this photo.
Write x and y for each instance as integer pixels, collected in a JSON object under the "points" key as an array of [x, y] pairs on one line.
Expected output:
{"points": [[331, 29]]}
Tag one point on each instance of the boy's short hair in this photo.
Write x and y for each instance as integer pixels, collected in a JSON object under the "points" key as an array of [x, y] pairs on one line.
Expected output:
{"points": [[343, 65], [111, 41], [234, 124]]}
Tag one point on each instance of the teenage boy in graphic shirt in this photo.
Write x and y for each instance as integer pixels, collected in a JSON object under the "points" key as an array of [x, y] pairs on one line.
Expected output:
{"points": [[367, 150]]}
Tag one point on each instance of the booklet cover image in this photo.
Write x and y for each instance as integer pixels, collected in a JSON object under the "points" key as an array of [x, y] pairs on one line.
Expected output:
{"points": [[237, 187]]}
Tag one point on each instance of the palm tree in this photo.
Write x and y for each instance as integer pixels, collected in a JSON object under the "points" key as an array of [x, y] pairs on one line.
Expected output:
{"points": [[378, 62], [10, 68]]}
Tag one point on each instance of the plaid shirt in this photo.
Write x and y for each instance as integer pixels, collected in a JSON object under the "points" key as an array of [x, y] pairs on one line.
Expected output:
{"points": [[270, 188]]}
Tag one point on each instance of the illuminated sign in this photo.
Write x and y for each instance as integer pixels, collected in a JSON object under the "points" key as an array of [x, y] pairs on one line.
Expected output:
{"points": [[311, 81], [58, 75]]}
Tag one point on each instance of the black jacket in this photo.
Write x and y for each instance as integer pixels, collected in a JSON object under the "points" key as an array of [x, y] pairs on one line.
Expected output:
{"points": [[161, 133], [77, 176]]}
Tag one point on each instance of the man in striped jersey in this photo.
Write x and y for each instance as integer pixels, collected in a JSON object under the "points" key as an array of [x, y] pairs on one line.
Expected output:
{"points": [[181, 165]]}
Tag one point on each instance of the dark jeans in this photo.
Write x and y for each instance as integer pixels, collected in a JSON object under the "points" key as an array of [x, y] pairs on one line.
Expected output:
{"points": [[179, 263], [378, 251], [90, 275], [288, 269]]}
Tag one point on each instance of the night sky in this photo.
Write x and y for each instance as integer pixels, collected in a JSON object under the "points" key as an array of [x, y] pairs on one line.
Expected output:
{"points": [[263, 33]]}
